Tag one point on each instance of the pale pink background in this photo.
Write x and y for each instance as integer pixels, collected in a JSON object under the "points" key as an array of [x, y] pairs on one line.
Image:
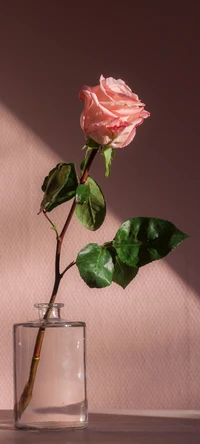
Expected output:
{"points": [[143, 343]]}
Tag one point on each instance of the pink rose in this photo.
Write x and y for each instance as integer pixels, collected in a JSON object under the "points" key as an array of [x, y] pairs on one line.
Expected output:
{"points": [[111, 112]]}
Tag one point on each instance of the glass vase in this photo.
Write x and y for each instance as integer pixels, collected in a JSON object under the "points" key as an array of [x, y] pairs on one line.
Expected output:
{"points": [[50, 352]]}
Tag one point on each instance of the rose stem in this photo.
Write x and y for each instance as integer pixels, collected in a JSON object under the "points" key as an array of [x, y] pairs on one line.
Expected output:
{"points": [[28, 389]]}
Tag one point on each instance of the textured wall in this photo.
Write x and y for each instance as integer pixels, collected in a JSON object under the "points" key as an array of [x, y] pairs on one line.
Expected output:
{"points": [[143, 343]]}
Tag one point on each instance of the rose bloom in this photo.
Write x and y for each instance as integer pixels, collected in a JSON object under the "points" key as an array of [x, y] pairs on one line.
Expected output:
{"points": [[111, 112]]}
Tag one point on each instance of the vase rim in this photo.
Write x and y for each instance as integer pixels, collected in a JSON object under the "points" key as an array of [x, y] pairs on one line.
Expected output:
{"points": [[47, 304]]}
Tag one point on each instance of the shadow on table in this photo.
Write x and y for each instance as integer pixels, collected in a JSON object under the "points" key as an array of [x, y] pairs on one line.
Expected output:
{"points": [[111, 423]]}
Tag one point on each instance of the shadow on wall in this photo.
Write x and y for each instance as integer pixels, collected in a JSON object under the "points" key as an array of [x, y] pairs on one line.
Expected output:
{"points": [[49, 50]]}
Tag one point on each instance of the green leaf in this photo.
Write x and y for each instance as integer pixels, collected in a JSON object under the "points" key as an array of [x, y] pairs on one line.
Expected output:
{"points": [[109, 154], [92, 213], [59, 186], [95, 266], [82, 193], [123, 274], [142, 240], [90, 145], [56, 178], [83, 163]]}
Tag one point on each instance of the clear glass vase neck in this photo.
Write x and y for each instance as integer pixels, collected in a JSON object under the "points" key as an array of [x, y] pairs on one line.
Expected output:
{"points": [[54, 310]]}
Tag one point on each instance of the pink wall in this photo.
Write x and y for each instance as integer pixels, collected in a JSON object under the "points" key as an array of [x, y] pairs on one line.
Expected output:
{"points": [[143, 344]]}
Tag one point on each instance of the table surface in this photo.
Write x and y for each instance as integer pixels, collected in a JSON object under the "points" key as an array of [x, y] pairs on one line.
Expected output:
{"points": [[133, 427]]}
